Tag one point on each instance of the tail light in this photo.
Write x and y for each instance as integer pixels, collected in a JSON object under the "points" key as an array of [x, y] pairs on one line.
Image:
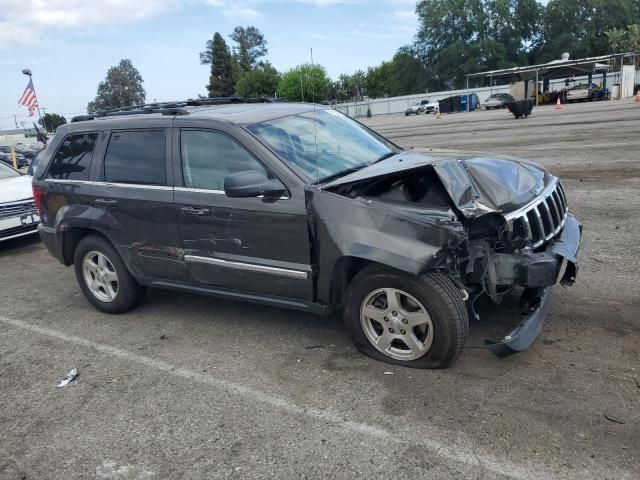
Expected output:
{"points": [[38, 193]]}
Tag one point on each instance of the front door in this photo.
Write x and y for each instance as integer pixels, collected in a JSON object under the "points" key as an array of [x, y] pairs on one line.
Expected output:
{"points": [[245, 244]]}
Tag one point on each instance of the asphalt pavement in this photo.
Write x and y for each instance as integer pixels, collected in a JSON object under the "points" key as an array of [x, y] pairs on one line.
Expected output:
{"points": [[191, 387]]}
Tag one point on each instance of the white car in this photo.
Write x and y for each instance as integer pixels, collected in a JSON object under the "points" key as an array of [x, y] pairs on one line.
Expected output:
{"points": [[18, 214], [581, 91], [431, 107], [416, 109], [423, 106]]}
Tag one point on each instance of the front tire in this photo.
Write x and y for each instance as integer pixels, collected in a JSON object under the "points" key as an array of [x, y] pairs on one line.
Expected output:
{"points": [[417, 322], [103, 277]]}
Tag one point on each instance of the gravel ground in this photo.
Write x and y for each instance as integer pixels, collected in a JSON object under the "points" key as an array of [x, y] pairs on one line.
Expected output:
{"points": [[191, 387]]}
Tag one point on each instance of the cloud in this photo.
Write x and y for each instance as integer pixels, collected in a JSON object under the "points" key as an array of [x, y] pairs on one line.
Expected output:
{"points": [[404, 14], [240, 12], [23, 22]]}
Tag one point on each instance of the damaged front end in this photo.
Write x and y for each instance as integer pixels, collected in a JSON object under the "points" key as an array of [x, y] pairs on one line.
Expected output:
{"points": [[497, 226]]}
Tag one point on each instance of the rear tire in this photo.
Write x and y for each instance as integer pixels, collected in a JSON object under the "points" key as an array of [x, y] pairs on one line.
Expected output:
{"points": [[103, 277], [426, 328]]}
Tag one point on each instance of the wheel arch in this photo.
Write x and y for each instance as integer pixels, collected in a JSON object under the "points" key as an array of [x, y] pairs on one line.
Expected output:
{"points": [[347, 267], [70, 238]]}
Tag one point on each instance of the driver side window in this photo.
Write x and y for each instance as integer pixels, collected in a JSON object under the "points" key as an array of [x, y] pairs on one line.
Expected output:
{"points": [[209, 157]]}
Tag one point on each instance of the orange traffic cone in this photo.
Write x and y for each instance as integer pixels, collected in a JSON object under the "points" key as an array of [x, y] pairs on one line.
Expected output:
{"points": [[558, 107], [438, 117]]}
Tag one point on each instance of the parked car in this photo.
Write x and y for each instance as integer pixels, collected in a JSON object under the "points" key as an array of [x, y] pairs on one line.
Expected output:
{"points": [[299, 206], [431, 107], [579, 92], [498, 100], [5, 156], [418, 107], [26, 151], [18, 215]]}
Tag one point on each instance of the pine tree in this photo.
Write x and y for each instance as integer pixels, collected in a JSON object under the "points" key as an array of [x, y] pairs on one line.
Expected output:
{"points": [[217, 54], [121, 88], [251, 46]]}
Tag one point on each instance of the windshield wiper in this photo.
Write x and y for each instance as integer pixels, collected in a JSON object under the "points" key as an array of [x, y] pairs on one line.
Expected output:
{"points": [[339, 174], [384, 157]]}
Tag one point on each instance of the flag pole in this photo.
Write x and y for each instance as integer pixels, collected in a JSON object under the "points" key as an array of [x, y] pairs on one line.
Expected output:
{"points": [[28, 72]]}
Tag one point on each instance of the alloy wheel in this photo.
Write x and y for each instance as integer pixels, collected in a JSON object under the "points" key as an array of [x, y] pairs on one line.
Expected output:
{"points": [[396, 324], [100, 276]]}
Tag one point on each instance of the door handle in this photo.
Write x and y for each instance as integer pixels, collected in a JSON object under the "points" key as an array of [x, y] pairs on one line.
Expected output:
{"points": [[198, 211], [106, 201]]}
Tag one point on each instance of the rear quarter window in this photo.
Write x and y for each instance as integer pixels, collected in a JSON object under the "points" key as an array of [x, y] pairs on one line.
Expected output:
{"points": [[136, 157], [72, 160]]}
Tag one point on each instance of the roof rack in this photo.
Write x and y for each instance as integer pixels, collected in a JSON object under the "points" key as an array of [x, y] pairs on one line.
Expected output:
{"points": [[168, 108]]}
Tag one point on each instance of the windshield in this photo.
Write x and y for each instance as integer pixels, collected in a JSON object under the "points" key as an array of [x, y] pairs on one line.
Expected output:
{"points": [[7, 172], [322, 145]]}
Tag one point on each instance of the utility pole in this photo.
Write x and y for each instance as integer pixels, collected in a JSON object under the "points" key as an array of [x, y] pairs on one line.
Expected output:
{"points": [[44, 119], [15, 120]]}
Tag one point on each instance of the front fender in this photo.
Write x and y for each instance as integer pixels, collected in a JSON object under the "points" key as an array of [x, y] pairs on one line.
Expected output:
{"points": [[373, 231]]}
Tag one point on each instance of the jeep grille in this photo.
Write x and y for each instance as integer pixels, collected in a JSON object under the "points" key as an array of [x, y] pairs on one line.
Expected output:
{"points": [[542, 219]]}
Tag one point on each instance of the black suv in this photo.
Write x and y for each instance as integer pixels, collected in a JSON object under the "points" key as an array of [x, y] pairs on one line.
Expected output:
{"points": [[300, 206]]}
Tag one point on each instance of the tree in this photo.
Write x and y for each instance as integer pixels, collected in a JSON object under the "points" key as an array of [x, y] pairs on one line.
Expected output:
{"points": [[250, 47], [579, 27], [121, 88], [456, 37], [221, 78], [51, 121], [624, 40], [381, 81], [305, 83], [409, 73], [261, 81]]}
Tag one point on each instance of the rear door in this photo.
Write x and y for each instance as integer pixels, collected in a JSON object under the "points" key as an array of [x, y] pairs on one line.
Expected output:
{"points": [[66, 181], [135, 194], [248, 244]]}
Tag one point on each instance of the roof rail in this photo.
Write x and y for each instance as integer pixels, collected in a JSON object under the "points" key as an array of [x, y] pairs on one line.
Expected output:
{"points": [[168, 108]]}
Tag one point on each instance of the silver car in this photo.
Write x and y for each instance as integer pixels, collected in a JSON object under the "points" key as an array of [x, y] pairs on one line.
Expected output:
{"points": [[498, 100]]}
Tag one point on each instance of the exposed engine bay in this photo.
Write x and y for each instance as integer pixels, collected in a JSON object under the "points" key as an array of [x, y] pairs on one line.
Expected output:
{"points": [[497, 256]]}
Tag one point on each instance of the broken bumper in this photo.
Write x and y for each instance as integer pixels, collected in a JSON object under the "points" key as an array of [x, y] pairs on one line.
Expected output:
{"points": [[559, 261]]}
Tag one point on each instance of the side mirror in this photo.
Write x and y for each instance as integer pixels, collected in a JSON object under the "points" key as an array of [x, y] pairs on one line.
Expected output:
{"points": [[252, 183]]}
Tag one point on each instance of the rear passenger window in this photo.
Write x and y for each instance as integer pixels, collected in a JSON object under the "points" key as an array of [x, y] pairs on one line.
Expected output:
{"points": [[209, 157], [136, 157], [73, 158]]}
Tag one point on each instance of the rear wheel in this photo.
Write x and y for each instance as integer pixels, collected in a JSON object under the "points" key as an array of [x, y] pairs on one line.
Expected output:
{"points": [[103, 277], [409, 321]]}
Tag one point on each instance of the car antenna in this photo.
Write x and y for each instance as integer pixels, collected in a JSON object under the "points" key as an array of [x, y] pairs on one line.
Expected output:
{"points": [[315, 125]]}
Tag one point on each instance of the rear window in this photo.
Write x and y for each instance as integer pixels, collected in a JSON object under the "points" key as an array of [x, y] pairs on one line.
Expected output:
{"points": [[136, 157], [73, 158]]}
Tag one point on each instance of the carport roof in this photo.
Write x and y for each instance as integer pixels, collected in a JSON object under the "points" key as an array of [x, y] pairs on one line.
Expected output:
{"points": [[567, 67]]}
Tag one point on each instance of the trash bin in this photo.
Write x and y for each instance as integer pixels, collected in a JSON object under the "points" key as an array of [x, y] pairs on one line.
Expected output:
{"points": [[473, 99], [450, 104], [521, 108]]}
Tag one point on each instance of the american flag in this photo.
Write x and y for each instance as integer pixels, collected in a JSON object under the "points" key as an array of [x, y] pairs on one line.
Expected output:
{"points": [[29, 99]]}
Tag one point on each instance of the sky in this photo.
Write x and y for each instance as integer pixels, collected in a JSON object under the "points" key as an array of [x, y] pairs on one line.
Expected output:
{"points": [[70, 44]]}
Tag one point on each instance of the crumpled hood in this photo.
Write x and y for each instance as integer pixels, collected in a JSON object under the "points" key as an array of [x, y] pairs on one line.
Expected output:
{"points": [[476, 183], [16, 188]]}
